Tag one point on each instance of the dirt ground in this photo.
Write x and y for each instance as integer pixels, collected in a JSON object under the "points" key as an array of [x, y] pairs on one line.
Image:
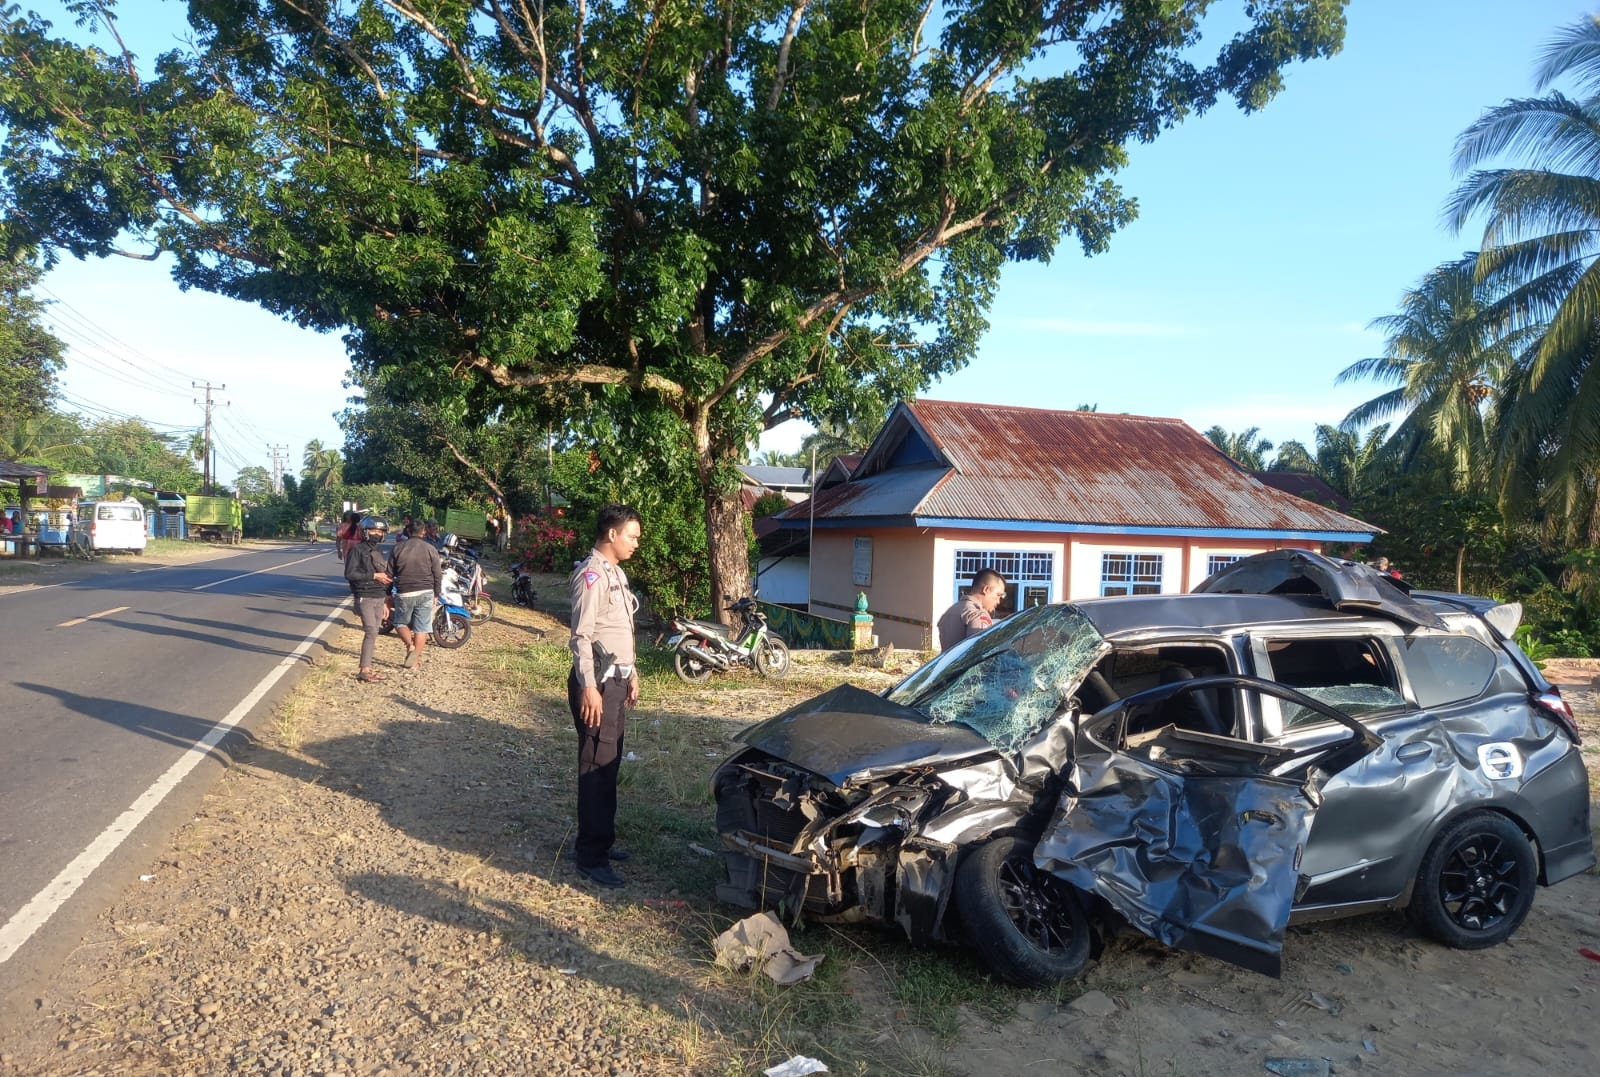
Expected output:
{"points": [[379, 886]]}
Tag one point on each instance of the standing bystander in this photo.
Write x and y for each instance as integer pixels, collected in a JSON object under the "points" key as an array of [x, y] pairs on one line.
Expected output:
{"points": [[602, 685], [975, 612], [418, 578], [364, 568]]}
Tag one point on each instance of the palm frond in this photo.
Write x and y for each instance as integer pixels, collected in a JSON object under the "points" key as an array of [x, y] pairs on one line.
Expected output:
{"points": [[1551, 131], [1575, 52], [1521, 202]]}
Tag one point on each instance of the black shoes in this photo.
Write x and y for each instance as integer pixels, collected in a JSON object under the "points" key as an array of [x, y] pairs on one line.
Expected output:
{"points": [[604, 875], [616, 852]]}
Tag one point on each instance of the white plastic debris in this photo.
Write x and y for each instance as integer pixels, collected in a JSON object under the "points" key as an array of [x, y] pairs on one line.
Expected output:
{"points": [[798, 1066], [569, 972], [700, 850], [630, 757], [761, 941], [147, 878]]}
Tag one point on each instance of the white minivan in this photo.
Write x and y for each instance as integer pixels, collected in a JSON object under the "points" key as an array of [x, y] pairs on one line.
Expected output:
{"points": [[112, 525]]}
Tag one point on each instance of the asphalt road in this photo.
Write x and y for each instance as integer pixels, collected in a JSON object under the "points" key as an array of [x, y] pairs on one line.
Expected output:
{"points": [[108, 682]]}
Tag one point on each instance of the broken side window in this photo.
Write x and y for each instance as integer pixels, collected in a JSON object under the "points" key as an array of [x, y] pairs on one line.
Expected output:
{"points": [[1350, 673]]}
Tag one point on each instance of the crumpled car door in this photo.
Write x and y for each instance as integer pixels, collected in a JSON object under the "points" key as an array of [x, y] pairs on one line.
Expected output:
{"points": [[1345, 584], [1195, 839]]}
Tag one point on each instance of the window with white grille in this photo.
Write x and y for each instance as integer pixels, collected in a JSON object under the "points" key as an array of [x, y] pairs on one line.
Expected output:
{"points": [[1028, 575], [1130, 573], [1216, 562]]}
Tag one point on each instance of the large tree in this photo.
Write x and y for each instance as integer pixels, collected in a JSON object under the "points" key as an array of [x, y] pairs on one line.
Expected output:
{"points": [[30, 355], [702, 216]]}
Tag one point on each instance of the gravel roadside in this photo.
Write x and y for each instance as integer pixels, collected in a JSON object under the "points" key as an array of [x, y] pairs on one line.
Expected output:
{"points": [[378, 886]]}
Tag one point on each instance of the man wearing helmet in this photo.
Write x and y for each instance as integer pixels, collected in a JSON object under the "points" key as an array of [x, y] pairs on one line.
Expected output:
{"points": [[366, 570]]}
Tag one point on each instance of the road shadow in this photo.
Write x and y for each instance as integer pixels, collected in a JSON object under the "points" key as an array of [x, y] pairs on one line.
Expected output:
{"points": [[168, 727]]}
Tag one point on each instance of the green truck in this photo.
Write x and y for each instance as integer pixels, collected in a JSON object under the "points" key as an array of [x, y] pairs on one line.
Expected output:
{"points": [[465, 523], [213, 519]]}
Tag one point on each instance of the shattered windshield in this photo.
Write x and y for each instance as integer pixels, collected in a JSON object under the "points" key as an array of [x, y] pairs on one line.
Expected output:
{"points": [[1009, 681]]}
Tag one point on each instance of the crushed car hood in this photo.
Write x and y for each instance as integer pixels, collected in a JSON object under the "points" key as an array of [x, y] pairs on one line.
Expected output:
{"points": [[1344, 584], [848, 732]]}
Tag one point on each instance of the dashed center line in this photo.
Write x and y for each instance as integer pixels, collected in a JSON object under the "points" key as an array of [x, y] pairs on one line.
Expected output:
{"points": [[92, 616], [257, 572]]}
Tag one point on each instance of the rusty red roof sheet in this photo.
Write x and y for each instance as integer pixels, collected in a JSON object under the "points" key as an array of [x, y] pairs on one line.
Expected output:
{"points": [[1067, 467]]}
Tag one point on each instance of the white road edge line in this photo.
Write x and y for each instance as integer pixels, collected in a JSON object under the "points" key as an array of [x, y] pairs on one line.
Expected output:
{"points": [[257, 572], [37, 912]]}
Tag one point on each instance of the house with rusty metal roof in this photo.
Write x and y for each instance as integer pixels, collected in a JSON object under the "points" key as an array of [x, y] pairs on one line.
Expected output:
{"points": [[1064, 504]]}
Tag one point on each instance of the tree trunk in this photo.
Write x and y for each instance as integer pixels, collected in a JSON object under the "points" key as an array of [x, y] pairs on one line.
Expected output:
{"points": [[727, 551], [1461, 561]]}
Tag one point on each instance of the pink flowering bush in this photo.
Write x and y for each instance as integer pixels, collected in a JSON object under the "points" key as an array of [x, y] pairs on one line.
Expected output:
{"points": [[545, 543]]}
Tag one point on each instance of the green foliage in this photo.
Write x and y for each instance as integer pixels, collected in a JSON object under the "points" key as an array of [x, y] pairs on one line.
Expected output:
{"points": [[30, 355], [704, 222], [1247, 448], [767, 504]]}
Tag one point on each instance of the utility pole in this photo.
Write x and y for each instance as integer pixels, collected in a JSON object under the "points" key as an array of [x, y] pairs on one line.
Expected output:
{"points": [[277, 466], [209, 466]]}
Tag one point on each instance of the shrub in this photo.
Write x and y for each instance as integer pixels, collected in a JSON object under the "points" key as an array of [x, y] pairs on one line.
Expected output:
{"points": [[545, 543]]}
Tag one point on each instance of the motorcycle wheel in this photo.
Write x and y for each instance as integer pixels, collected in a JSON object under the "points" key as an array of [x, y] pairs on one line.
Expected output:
{"points": [[482, 609], [450, 630], [772, 660], [690, 669]]}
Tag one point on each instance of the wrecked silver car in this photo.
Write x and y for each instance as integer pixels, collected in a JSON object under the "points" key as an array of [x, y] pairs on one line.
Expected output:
{"points": [[1300, 738]]}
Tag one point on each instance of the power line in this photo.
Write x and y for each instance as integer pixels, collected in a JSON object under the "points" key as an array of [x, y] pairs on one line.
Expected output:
{"points": [[99, 330]]}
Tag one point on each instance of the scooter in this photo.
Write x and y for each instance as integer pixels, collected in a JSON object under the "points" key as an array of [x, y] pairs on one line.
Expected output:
{"points": [[701, 648], [452, 621], [474, 587]]}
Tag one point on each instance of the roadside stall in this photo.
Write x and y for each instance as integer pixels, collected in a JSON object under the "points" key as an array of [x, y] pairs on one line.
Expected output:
{"points": [[18, 536]]}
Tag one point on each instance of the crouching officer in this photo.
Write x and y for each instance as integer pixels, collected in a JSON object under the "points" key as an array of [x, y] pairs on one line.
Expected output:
{"points": [[602, 685]]}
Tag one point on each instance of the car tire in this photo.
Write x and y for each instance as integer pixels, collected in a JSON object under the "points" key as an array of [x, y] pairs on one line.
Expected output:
{"points": [[1027, 926], [690, 670], [772, 659], [1475, 885]]}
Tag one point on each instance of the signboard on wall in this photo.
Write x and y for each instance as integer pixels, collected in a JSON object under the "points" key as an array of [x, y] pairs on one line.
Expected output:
{"points": [[861, 563]]}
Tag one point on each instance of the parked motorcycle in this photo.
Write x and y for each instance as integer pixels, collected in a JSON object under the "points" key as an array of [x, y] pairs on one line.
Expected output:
{"points": [[701, 648], [522, 585], [474, 585], [452, 620]]}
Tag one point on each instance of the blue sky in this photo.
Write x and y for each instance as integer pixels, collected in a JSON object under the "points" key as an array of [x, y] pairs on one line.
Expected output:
{"points": [[1265, 245]]}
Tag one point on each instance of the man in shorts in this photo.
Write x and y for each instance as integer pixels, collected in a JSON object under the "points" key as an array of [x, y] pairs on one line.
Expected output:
{"points": [[418, 578]]}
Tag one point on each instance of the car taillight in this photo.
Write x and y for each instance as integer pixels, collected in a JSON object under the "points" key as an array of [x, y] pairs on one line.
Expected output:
{"points": [[1551, 703]]}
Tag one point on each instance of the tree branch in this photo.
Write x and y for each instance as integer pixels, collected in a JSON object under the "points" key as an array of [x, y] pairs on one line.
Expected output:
{"points": [[586, 374], [782, 73]]}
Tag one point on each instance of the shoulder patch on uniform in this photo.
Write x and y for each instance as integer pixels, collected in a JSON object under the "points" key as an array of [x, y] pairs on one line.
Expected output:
{"points": [[590, 576]]}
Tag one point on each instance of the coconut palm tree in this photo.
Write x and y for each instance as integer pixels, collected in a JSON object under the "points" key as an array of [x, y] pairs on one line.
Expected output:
{"points": [[1447, 351], [322, 468], [1247, 448], [1350, 463], [1541, 207]]}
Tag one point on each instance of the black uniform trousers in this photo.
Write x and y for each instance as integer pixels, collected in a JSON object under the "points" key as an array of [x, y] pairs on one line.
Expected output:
{"points": [[599, 757]]}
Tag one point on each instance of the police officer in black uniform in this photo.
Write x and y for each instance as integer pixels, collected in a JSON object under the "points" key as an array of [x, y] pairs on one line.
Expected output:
{"points": [[602, 685]]}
